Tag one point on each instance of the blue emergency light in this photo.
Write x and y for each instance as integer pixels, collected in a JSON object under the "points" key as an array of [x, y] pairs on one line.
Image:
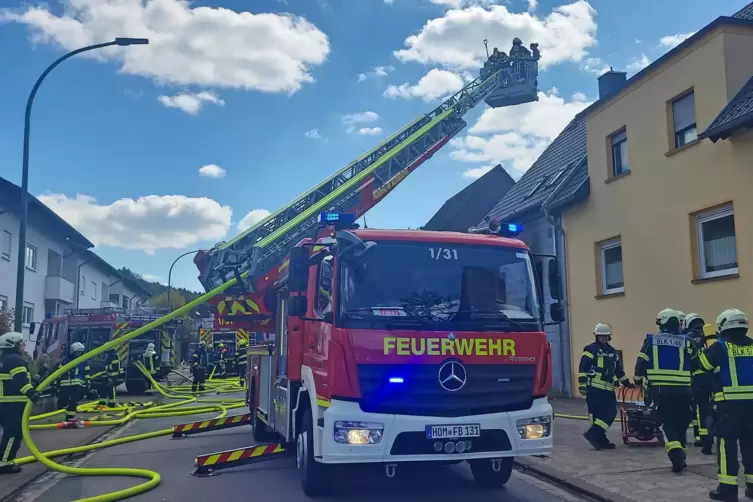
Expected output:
{"points": [[397, 380], [510, 229], [341, 218]]}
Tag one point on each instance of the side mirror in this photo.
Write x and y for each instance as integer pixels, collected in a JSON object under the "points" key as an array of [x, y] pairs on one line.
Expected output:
{"points": [[298, 270], [32, 329], [557, 312], [555, 280], [297, 306]]}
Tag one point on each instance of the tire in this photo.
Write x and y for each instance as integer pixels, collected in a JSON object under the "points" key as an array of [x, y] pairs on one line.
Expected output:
{"points": [[137, 387], [315, 479], [485, 475]]}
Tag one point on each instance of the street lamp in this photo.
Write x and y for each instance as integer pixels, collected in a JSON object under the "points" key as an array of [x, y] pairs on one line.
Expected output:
{"points": [[21, 269], [170, 277]]}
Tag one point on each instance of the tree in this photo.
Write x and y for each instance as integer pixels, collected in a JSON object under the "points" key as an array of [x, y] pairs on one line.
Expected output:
{"points": [[177, 299], [184, 329], [6, 320]]}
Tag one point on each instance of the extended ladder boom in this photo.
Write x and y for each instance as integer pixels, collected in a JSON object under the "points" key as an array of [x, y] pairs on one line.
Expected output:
{"points": [[360, 185]]}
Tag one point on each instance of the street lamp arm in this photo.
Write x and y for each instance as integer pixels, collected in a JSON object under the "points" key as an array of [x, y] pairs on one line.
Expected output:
{"points": [[170, 276]]}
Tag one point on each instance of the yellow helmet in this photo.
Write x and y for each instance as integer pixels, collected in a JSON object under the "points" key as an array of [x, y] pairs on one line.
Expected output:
{"points": [[242, 343]]}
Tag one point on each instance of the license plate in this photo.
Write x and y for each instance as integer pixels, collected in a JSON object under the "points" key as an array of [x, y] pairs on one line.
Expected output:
{"points": [[453, 431]]}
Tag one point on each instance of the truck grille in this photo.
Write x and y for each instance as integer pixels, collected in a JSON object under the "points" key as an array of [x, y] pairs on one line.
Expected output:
{"points": [[489, 388]]}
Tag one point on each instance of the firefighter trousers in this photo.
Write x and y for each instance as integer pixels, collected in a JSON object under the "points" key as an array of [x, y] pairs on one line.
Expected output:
{"points": [[111, 398], [673, 407], [602, 410], [704, 413], [10, 420], [735, 427], [242, 372], [199, 378], [68, 398]]}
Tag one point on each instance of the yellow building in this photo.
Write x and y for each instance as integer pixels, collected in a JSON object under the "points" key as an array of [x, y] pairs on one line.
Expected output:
{"points": [[668, 220]]}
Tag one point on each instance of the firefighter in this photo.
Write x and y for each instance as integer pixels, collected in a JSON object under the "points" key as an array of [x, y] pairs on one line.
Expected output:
{"points": [[240, 361], [151, 363], [113, 372], [15, 389], [731, 359], [667, 360], [703, 387], [74, 385], [599, 372], [222, 356], [199, 363]]}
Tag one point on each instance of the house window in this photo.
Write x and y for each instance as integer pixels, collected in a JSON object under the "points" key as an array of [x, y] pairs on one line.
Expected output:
{"points": [[3, 302], [7, 244], [27, 316], [83, 285], [611, 267], [717, 249], [619, 153], [683, 118], [94, 290], [31, 257], [556, 177]]}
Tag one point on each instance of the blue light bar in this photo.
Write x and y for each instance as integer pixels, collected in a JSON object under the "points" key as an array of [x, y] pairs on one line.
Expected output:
{"points": [[344, 218], [396, 380], [514, 228]]}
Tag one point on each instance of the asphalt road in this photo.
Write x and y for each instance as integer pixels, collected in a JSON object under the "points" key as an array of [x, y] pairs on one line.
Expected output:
{"points": [[272, 480]]}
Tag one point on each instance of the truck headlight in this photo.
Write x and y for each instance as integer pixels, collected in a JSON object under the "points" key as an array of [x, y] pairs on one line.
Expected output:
{"points": [[358, 432], [535, 427]]}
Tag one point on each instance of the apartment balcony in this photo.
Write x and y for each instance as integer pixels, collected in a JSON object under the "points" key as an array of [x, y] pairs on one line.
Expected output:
{"points": [[59, 289], [108, 305]]}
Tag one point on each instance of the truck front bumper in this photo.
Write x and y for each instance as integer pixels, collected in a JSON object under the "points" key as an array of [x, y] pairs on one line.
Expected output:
{"points": [[403, 437]]}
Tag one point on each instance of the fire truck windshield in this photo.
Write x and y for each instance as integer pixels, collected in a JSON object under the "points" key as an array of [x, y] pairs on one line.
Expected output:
{"points": [[440, 286]]}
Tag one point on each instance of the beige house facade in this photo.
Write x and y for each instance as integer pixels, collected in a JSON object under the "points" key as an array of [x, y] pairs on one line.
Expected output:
{"points": [[668, 219]]}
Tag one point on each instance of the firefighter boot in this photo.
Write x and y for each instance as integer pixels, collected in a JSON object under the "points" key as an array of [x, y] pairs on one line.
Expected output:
{"points": [[592, 439], [10, 469], [677, 457], [725, 493], [708, 442]]}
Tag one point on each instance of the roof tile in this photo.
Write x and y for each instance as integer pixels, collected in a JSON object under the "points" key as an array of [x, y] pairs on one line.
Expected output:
{"points": [[737, 113]]}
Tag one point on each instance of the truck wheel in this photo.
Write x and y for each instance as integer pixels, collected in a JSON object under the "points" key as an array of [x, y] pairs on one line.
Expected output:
{"points": [[314, 476], [485, 475], [137, 387]]}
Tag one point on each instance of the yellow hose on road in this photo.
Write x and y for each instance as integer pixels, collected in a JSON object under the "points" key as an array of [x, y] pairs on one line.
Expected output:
{"points": [[153, 478]]}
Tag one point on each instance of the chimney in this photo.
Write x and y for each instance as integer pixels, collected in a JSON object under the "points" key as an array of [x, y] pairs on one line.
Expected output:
{"points": [[611, 82]]}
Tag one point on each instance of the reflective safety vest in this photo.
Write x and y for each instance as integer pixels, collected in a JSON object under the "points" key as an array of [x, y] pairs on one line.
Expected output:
{"points": [[77, 377], [735, 373], [148, 361], [600, 367], [240, 357], [670, 360], [113, 366], [15, 384]]}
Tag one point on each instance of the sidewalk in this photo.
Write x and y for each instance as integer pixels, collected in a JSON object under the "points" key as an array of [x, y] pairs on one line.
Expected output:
{"points": [[627, 473]]}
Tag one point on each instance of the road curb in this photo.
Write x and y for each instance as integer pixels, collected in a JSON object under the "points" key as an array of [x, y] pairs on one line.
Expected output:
{"points": [[573, 484]]}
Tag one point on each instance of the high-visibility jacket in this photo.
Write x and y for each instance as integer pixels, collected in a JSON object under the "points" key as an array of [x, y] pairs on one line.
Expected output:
{"points": [[199, 359], [15, 383], [150, 362], [667, 360], [732, 361], [600, 367], [79, 376], [240, 356], [112, 367]]}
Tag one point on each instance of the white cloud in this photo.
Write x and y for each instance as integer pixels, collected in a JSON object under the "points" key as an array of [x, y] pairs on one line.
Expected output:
{"points": [[516, 136], [148, 223], [314, 134], [191, 103], [672, 41], [212, 171], [532, 5], [453, 40], [353, 120], [252, 218], [376, 72], [595, 65], [389, 2], [637, 64], [151, 277], [369, 131], [456, 4], [434, 85], [207, 46]]}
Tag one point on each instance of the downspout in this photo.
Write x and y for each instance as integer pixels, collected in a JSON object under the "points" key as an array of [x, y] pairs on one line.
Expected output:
{"points": [[78, 284]]}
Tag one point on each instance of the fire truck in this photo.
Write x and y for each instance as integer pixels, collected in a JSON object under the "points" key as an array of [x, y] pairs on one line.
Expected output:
{"points": [[394, 346], [95, 327]]}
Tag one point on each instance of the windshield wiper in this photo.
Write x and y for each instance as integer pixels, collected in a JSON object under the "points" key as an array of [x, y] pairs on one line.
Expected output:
{"points": [[392, 322], [496, 313]]}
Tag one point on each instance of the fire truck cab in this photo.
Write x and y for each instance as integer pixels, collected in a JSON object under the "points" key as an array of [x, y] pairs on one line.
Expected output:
{"points": [[396, 346]]}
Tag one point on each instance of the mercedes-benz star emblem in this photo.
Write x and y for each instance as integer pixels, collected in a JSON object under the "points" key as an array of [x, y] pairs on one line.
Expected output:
{"points": [[452, 376]]}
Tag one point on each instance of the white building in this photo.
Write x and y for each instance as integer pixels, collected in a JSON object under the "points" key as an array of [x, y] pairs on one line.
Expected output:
{"points": [[61, 271]]}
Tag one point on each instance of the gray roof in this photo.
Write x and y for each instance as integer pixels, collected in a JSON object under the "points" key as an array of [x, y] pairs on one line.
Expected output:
{"points": [[564, 153], [745, 13], [736, 115], [575, 187]]}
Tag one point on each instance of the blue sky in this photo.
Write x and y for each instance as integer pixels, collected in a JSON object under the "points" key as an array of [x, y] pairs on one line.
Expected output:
{"points": [[273, 100]]}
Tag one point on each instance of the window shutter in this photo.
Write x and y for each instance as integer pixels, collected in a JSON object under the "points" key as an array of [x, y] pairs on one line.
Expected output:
{"points": [[683, 112]]}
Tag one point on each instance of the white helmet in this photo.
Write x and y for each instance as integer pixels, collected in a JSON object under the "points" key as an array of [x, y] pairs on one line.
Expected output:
{"points": [[603, 329], [202, 344], [681, 316], [150, 346], [690, 319], [731, 319], [666, 316], [78, 347], [11, 340]]}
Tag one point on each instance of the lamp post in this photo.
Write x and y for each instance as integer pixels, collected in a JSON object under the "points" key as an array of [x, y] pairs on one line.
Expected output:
{"points": [[170, 277], [21, 269]]}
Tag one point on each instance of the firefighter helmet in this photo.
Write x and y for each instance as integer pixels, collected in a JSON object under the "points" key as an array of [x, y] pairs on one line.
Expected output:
{"points": [[731, 319], [202, 344], [242, 343], [603, 329], [681, 317], [222, 345], [77, 347], [11, 340], [693, 318], [666, 316], [150, 346]]}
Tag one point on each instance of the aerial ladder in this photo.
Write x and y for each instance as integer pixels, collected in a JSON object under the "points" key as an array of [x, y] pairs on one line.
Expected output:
{"points": [[356, 188]]}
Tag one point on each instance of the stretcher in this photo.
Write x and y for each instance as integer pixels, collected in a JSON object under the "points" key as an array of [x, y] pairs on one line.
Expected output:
{"points": [[638, 421]]}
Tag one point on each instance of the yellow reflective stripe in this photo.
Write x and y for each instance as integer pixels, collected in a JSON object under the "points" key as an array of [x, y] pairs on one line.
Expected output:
{"points": [[587, 354], [749, 478], [655, 353], [682, 359], [212, 460], [673, 445], [16, 371], [13, 399], [601, 424], [732, 367], [724, 477], [643, 356], [601, 384], [26, 388], [705, 362]]}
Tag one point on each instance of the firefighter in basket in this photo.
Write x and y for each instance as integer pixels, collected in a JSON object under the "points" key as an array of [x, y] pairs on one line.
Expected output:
{"points": [[703, 387], [731, 359], [667, 360], [600, 370]]}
